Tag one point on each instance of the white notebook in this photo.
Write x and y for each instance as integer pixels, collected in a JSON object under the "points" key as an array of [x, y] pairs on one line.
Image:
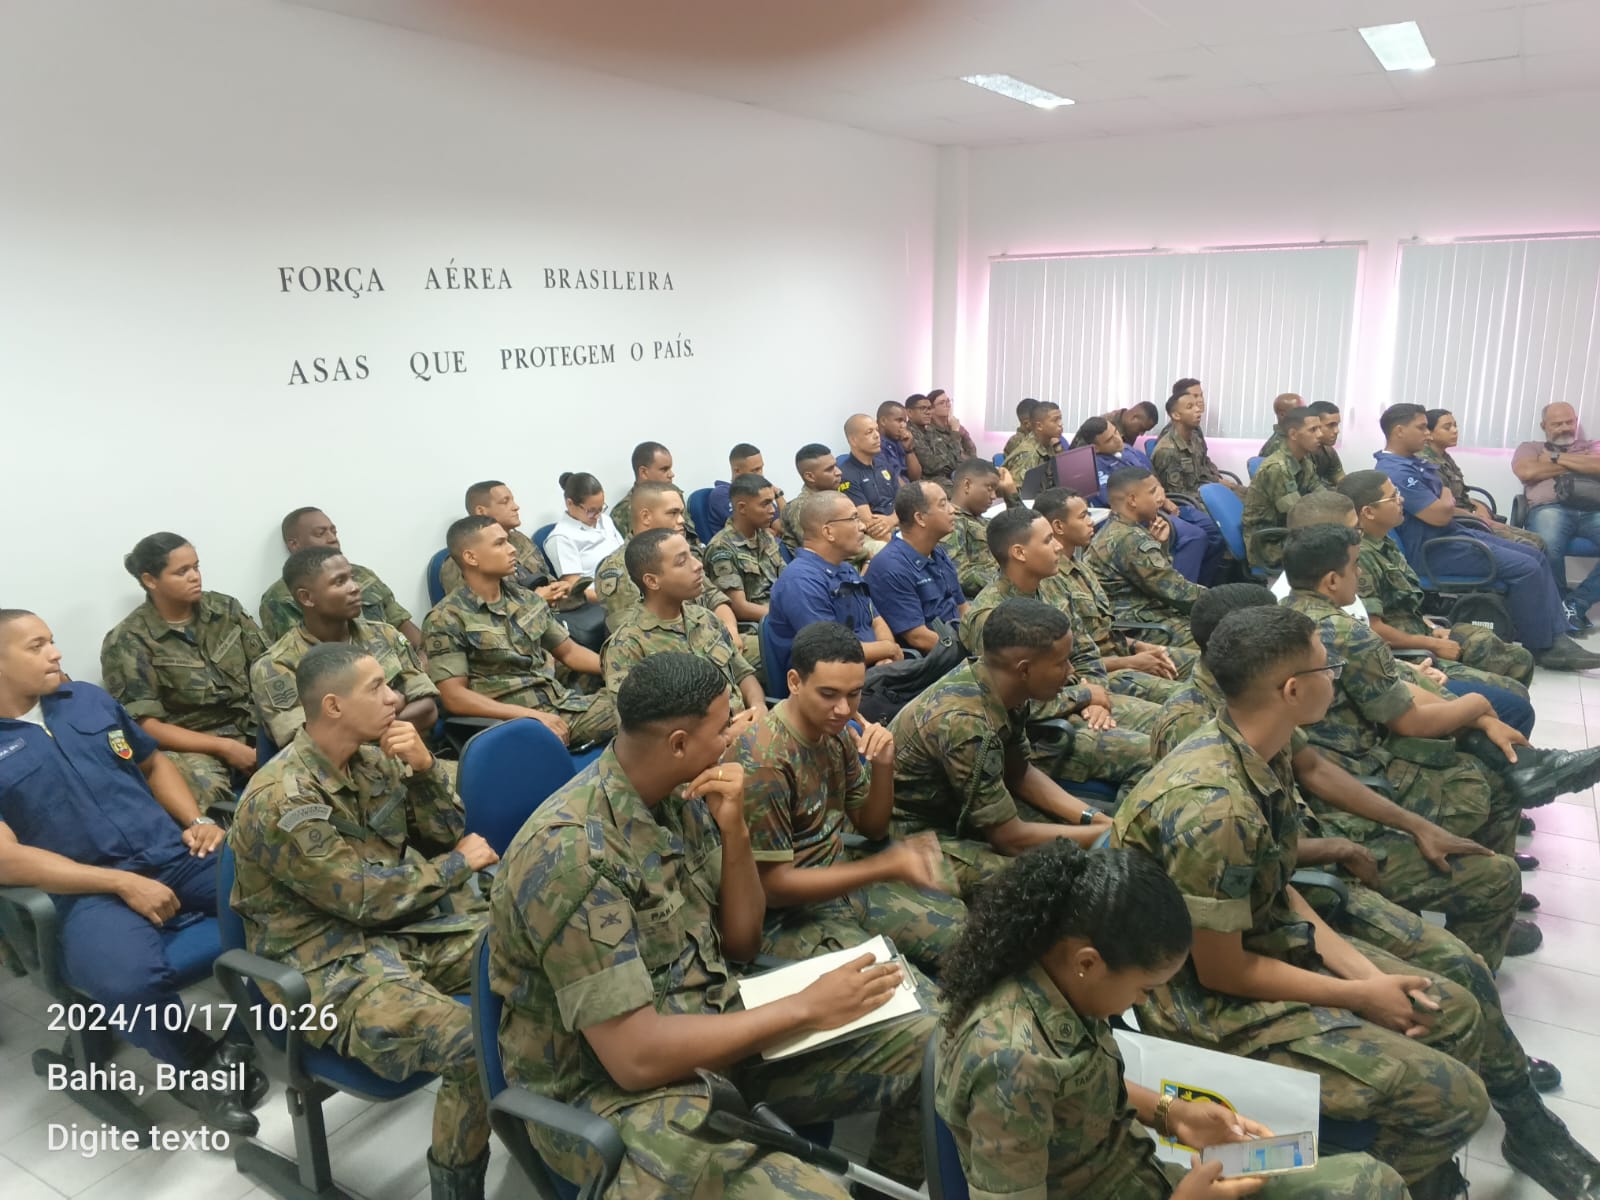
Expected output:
{"points": [[757, 990]]}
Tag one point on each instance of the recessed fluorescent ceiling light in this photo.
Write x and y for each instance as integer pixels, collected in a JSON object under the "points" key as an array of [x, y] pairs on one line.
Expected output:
{"points": [[1015, 89], [1398, 47]]}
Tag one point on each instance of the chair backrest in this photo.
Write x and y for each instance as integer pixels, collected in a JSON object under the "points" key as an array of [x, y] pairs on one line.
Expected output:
{"points": [[230, 925], [506, 772], [486, 1006], [777, 681], [435, 582], [265, 747], [700, 514], [998, 459], [540, 535], [1253, 464], [946, 1180], [1227, 510], [1147, 443]]}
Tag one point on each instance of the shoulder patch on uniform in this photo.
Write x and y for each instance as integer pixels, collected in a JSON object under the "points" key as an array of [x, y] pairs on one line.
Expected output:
{"points": [[296, 817], [315, 840], [119, 744], [844, 485], [1236, 881], [281, 691], [608, 922]]}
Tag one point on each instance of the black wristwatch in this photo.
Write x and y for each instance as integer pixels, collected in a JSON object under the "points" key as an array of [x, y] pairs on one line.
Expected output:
{"points": [[1086, 817], [1555, 457]]}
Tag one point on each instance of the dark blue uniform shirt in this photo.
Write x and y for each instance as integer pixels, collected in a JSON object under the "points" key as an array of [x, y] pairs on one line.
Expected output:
{"points": [[811, 589], [894, 457], [77, 790], [1419, 484], [873, 486], [719, 506], [909, 590]]}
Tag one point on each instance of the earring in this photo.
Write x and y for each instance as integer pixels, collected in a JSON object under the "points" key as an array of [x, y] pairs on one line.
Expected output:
{"points": [[1080, 974]]}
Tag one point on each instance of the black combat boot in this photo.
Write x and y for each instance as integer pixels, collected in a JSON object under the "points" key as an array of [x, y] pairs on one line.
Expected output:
{"points": [[1538, 776], [220, 1109], [1444, 1182], [457, 1183], [1538, 1144]]}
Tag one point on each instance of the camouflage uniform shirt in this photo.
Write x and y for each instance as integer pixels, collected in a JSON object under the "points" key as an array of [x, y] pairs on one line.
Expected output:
{"points": [[1138, 576], [698, 631], [272, 676], [1035, 1099], [533, 568], [1181, 464], [622, 518], [331, 863], [797, 793], [620, 594], [968, 547], [1030, 453], [1279, 483], [502, 649], [951, 747], [749, 565], [196, 677], [940, 451], [1086, 661], [1224, 823], [1328, 465], [280, 613]]}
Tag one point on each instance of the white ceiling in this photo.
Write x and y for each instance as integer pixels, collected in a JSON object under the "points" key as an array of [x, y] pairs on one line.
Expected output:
{"points": [[894, 66]]}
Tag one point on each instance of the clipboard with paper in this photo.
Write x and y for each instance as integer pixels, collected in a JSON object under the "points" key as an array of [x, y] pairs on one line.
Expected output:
{"points": [[771, 986]]}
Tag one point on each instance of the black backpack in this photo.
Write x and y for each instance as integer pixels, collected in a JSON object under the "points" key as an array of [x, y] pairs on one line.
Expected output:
{"points": [[892, 686]]}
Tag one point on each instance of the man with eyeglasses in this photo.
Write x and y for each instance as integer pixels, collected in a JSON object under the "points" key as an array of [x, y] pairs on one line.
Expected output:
{"points": [[1417, 1045], [821, 585]]}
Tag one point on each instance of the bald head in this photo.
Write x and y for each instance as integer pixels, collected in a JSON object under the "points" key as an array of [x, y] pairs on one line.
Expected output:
{"points": [[821, 509], [861, 431], [1284, 403], [1560, 423]]}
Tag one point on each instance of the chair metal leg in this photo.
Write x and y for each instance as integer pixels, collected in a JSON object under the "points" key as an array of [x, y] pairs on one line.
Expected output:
{"points": [[306, 1176], [79, 1052]]}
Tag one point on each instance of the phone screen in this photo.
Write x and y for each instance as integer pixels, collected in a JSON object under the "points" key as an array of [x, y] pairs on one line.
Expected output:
{"points": [[1265, 1156]]}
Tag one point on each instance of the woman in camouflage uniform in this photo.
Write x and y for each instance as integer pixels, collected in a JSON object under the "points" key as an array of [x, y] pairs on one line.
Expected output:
{"points": [[1443, 435], [1029, 1077]]}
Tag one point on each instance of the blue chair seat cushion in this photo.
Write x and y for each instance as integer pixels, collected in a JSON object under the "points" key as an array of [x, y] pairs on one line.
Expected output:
{"points": [[349, 1075]]}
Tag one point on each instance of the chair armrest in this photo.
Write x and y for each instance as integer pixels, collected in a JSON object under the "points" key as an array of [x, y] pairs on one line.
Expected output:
{"points": [[1376, 783], [1487, 497], [1120, 626], [1519, 510], [1184, 498], [1230, 475], [1310, 878], [1412, 655], [859, 841], [1430, 547], [226, 807], [237, 970], [595, 1132], [30, 923]]}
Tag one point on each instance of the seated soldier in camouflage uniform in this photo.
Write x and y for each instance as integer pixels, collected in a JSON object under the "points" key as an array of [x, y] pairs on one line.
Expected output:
{"points": [[1041, 445], [307, 527], [1024, 426], [1382, 724], [1400, 853], [1287, 474], [1106, 732], [328, 597], [1180, 457], [492, 498], [1281, 407], [1131, 555], [978, 483], [354, 867], [809, 776], [654, 506], [1030, 1079], [652, 463], [1443, 434], [939, 440], [1325, 458], [493, 647], [1396, 1042], [962, 752], [180, 665], [1393, 596], [743, 560], [1137, 668], [617, 915], [670, 619]]}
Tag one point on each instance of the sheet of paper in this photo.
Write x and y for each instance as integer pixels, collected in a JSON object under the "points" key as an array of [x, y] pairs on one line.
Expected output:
{"points": [[770, 986]]}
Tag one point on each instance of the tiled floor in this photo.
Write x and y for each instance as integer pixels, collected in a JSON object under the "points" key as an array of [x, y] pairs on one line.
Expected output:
{"points": [[1551, 997]]}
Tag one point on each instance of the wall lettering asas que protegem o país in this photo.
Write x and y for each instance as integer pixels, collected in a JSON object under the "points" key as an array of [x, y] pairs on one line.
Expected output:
{"points": [[427, 365]]}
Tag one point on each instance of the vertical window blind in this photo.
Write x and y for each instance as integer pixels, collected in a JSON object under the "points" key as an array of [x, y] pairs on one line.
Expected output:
{"points": [[1496, 328], [1095, 332]]}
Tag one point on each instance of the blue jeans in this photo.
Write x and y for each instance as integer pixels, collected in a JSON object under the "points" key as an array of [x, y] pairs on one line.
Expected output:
{"points": [[1197, 545], [1508, 706], [1558, 527], [1531, 593]]}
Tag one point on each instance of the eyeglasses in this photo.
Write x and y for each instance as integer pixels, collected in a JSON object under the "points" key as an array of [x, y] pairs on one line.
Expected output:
{"points": [[1394, 499], [856, 517], [1334, 667], [590, 512]]}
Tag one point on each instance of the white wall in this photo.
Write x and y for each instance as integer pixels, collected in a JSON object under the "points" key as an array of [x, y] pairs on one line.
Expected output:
{"points": [[1501, 167], [163, 158]]}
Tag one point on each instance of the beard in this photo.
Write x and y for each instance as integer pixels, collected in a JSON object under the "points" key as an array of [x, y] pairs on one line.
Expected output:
{"points": [[1566, 439]]}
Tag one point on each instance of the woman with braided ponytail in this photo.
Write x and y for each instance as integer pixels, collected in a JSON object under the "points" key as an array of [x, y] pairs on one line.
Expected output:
{"points": [[1029, 1077]]}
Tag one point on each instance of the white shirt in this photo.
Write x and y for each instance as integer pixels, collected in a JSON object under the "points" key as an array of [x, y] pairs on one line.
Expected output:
{"points": [[578, 549], [1358, 610], [35, 716]]}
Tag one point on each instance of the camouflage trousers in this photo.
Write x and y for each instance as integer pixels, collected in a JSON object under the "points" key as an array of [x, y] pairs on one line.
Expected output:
{"points": [[1334, 1176], [924, 925], [590, 716], [1151, 612], [210, 779], [1120, 755], [972, 862], [1150, 688], [1424, 1094], [1478, 897], [880, 1071], [1506, 664], [1464, 797], [407, 1021]]}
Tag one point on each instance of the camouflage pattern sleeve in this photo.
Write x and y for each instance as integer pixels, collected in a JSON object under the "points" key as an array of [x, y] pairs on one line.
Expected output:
{"points": [[376, 592], [288, 834], [722, 564], [434, 816], [277, 702], [1371, 679], [1173, 468], [1369, 572], [975, 761], [624, 650], [1144, 563], [414, 681], [767, 794], [130, 676], [857, 778], [1009, 1116], [584, 932], [1211, 854], [279, 612], [445, 641], [250, 636]]}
